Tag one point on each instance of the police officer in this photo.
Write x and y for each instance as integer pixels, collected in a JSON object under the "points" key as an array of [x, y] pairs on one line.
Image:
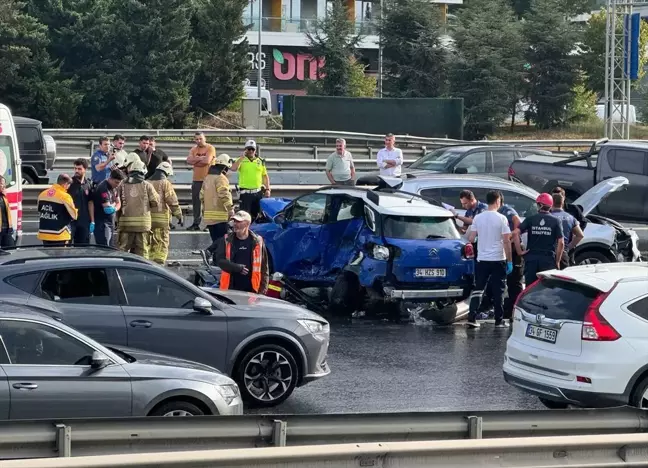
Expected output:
{"points": [[56, 212], [572, 232], [253, 176], [102, 161], [81, 193], [137, 198], [103, 206], [160, 218], [514, 279], [545, 242], [216, 198], [472, 206]]}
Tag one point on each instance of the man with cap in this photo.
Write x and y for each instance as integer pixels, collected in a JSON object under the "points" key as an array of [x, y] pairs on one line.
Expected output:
{"points": [[545, 242], [216, 198], [243, 258], [253, 176], [201, 157], [160, 215], [572, 232]]}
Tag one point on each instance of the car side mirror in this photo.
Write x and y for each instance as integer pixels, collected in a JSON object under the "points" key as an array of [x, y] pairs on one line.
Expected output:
{"points": [[461, 170], [202, 305], [280, 219], [99, 360]]}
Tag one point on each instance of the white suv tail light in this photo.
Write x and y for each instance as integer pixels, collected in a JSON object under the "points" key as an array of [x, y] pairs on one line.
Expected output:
{"points": [[595, 327]]}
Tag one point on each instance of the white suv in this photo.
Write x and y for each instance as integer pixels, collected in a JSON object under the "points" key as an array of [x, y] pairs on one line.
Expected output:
{"points": [[580, 337]]}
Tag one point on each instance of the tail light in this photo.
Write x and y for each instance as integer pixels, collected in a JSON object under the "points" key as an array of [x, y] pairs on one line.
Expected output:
{"points": [[526, 291], [595, 327], [468, 251], [511, 172]]}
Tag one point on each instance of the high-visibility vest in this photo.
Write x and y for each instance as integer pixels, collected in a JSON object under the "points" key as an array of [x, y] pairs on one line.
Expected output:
{"points": [[225, 278]]}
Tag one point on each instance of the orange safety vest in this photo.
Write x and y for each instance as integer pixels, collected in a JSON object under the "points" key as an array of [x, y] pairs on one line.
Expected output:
{"points": [[225, 278]]}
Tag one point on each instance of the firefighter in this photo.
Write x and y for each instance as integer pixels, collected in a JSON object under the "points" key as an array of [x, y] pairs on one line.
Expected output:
{"points": [[216, 199], [137, 198], [243, 258], [56, 212], [160, 218]]}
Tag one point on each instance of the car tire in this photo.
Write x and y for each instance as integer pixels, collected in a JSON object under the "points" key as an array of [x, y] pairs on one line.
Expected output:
{"points": [[639, 396], [590, 258], [343, 301], [28, 180], [254, 389], [553, 404], [177, 408]]}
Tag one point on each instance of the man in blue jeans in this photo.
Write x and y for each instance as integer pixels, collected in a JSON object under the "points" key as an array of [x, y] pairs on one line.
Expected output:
{"points": [[105, 204]]}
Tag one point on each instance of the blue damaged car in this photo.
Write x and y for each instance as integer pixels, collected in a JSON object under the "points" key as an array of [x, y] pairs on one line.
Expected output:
{"points": [[380, 251]]}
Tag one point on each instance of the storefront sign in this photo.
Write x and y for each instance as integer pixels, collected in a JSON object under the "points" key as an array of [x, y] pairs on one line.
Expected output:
{"points": [[292, 66]]}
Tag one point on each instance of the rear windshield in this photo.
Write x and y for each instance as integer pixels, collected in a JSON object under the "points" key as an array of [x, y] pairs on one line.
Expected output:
{"points": [[558, 300], [419, 227], [437, 159]]}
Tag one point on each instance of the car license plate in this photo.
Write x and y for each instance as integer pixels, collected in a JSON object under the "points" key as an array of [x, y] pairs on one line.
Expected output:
{"points": [[541, 333], [430, 273]]}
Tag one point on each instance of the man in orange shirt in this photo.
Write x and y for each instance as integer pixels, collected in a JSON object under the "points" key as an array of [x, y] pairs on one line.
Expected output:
{"points": [[201, 157]]}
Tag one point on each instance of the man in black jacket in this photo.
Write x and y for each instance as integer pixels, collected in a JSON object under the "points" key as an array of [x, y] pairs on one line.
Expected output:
{"points": [[572, 209]]}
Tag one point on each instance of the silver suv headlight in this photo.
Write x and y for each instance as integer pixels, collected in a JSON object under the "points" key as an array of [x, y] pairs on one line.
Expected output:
{"points": [[380, 252], [319, 330], [228, 392]]}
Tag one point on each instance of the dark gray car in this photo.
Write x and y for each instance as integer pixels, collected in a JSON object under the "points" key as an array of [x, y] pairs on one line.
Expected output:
{"points": [[49, 370], [267, 346]]}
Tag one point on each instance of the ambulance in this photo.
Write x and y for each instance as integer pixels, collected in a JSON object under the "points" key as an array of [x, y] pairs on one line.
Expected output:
{"points": [[10, 169]]}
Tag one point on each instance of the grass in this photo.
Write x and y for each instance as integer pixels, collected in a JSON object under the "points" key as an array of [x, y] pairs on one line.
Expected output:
{"points": [[581, 131]]}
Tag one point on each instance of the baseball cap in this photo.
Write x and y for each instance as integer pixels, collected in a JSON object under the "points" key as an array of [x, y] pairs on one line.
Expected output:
{"points": [[242, 216], [250, 144], [545, 199]]}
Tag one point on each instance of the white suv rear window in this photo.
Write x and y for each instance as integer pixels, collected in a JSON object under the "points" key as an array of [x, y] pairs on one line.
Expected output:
{"points": [[558, 300]]}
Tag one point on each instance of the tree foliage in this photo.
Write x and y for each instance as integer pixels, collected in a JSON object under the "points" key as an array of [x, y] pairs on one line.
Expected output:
{"points": [[488, 64], [553, 68], [415, 55], [334, 40], [571, 7]]}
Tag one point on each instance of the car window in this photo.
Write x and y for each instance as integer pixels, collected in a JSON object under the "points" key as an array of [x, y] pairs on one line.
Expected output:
{"points": [[26, 282], [628, 161], [419, 227], [146, 289], [640, 308], [502, 160], [558, 300], [450, 195], [350, 208], [309, 209], [30, 343], [77, 286], [525, 206], [475, 163], [438, 159], [29, 139]]}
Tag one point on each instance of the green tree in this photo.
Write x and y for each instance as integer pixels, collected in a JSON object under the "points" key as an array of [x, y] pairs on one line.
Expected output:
{"points": [[488, 65], [583, 106], [554, 72], [361, 85], [415, 55], [218, 28], [572, 7], [334, 40]]}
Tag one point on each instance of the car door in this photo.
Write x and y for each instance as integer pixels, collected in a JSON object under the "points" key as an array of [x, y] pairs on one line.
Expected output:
{"points": [[160, 317], [49, 375], [502, 160], [85, 300], [631, 163], [296, 249]]}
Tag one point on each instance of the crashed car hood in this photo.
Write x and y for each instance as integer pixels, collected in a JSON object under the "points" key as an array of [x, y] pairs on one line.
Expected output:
{"points": [[272, 206], [591, 199]]}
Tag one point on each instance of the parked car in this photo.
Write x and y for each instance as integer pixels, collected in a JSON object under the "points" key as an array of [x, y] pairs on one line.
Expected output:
{"points": [[580, 173], [605, 240], [50, 370], [579, 337], [379, 251], [267, 346], [465, 159], [37, 152]]}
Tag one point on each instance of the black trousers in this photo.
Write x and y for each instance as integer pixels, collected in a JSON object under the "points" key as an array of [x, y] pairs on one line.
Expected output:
{"points": [[251, 202], [81, 233], [196, 186], [537, 264], [104, 233], [6, 239], [216, 231], [493, 276]]}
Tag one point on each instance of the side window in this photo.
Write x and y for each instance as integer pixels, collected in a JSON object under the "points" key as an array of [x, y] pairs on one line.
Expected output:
{"points": [[146, 289], [450, 195], [640, 308], [628, 161], [502, 160], [524, 205], [29, 139], [77, 286], [26, 283], [30, 343], [309, 209], [474, 163], [350, 208], [433, 193]]}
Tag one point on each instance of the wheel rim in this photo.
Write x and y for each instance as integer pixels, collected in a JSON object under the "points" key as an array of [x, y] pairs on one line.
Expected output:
{"points": [[268, 376], [25, 181], [177, 413], [590, 261]]}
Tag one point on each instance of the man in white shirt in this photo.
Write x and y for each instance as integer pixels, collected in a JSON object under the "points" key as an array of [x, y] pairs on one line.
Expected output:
{"points": [[390, 159], [493, 258]]}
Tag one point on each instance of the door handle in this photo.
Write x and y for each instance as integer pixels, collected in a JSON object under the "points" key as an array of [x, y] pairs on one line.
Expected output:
{"points": [[25, 386], [141, 324]]}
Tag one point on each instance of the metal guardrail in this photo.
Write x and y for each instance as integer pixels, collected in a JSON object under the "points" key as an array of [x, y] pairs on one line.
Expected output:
{"points": [[109, 436]]}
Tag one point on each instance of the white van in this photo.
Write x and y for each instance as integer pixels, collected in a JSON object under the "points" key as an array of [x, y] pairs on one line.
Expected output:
{"points": [[10, 169], [266, 100]]}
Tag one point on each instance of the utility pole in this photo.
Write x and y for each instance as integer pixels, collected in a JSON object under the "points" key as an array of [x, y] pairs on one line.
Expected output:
{"points": [[259, 60], [380, 51]]}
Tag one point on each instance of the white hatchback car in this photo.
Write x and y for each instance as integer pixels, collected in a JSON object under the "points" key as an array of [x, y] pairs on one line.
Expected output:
{"points": [[580, 337]]}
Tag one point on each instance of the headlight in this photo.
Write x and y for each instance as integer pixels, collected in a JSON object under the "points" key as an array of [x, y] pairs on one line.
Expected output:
{"points": [[380, 252], [228, 392], [318, 329]]}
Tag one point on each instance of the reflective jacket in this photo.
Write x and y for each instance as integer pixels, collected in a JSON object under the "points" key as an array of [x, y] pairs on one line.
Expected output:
{"points": [[56, 211], [137, 198], [259, 269], [217, 199], [168, 205], [7, 212]]}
